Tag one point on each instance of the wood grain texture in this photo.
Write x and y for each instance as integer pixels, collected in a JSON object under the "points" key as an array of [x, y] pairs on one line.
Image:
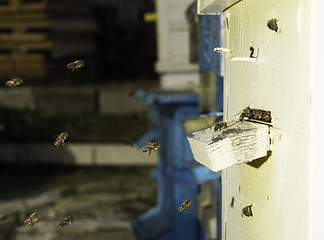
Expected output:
{"points": [[240, 143]]}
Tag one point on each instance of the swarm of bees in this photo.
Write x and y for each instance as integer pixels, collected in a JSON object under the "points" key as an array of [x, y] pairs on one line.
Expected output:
{"points": [[247, 211], [75, 65], [151, 147], [272, 24], [256, 114], [60, 140], [220, 126], [30, 221], [185, 206], [14, 82], [66, 221]]}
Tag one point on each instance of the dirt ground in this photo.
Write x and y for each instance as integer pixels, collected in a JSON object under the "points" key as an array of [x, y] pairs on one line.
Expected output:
{"points": [[102, 201]]}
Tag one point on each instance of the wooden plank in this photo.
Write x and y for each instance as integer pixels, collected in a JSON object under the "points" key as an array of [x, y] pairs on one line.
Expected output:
{"points": [[23, 38], [26, 25], [19, 5], [46, 45], [240, 143]]}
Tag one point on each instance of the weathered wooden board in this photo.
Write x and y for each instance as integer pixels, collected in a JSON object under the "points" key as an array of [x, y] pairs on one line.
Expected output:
{"points": [[240, 143]]}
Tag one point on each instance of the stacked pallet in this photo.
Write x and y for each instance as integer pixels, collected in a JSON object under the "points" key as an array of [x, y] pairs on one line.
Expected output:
{"points": [[40, 35], [23, 37]]}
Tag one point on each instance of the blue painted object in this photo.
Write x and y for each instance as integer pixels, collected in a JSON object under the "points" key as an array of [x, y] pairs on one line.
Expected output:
{"points": [[175, 180], [210, 36]]}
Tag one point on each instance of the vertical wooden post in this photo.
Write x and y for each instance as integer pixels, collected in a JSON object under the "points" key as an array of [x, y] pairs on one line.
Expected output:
{"points": [[286, 189]]}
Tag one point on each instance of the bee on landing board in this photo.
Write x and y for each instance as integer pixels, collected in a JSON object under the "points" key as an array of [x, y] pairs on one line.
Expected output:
{"points": [[256, 114], [14, 82], [220, 126], [60, 139], [75, 65], [32, 219], [66, 221], [151, 147], [185, 206]]}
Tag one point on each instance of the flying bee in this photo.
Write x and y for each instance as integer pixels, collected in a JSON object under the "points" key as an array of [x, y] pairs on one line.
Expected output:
{"points": [[272, 24], [66, 221], [247, 211], [75, 65], [185, 206], [151, 147], [220, 126], [14, 82], [60, 139], [32, 219], [256, 114]]}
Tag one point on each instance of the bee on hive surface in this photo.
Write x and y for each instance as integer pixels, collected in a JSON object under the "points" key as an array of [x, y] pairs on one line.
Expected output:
{"points": [[272, 24], [32, 219], [151, 147], [60, 139], [185, 206], [256, 114], [66, 221], [220, 126], [75, 65], [14, 82], [247, 211]]}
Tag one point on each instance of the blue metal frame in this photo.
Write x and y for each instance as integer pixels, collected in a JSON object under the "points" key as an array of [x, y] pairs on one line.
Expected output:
{"points": [[175, 180]]}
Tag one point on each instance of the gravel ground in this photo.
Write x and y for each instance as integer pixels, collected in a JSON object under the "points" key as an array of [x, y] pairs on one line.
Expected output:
{"points": [[102, 201]]}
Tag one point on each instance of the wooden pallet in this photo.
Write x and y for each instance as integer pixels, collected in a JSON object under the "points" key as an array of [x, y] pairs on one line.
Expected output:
{"points": [[28, 65], [24, 42]]}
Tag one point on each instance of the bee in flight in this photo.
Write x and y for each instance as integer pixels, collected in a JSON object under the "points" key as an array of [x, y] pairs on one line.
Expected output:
{"points": [[75, 65], [66, 221], [220, 126], [247, 211], [256, 114], [60, 139], [151, 147], [32, 219], [14, 82], [185, 206]]}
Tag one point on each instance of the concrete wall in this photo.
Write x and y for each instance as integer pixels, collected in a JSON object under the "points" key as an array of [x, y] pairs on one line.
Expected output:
{"points": [[72, 100], [77, 154]]}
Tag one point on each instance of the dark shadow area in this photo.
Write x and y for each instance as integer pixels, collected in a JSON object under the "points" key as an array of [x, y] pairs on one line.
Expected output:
{"points": [[103, 198], [23, 126], [260, 161]]}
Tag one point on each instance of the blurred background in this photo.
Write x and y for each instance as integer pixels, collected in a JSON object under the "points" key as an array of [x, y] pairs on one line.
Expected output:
{"points": [[141, 67]]}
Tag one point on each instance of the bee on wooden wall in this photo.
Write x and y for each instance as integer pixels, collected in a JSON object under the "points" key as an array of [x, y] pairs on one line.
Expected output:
{"points": [[220, 126], [256, 114], [151, 147], [75, 65], [14, 82], [247, 211], [272, 24], [66, 221], [32, 219], [60, 139], [185, 206]]}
